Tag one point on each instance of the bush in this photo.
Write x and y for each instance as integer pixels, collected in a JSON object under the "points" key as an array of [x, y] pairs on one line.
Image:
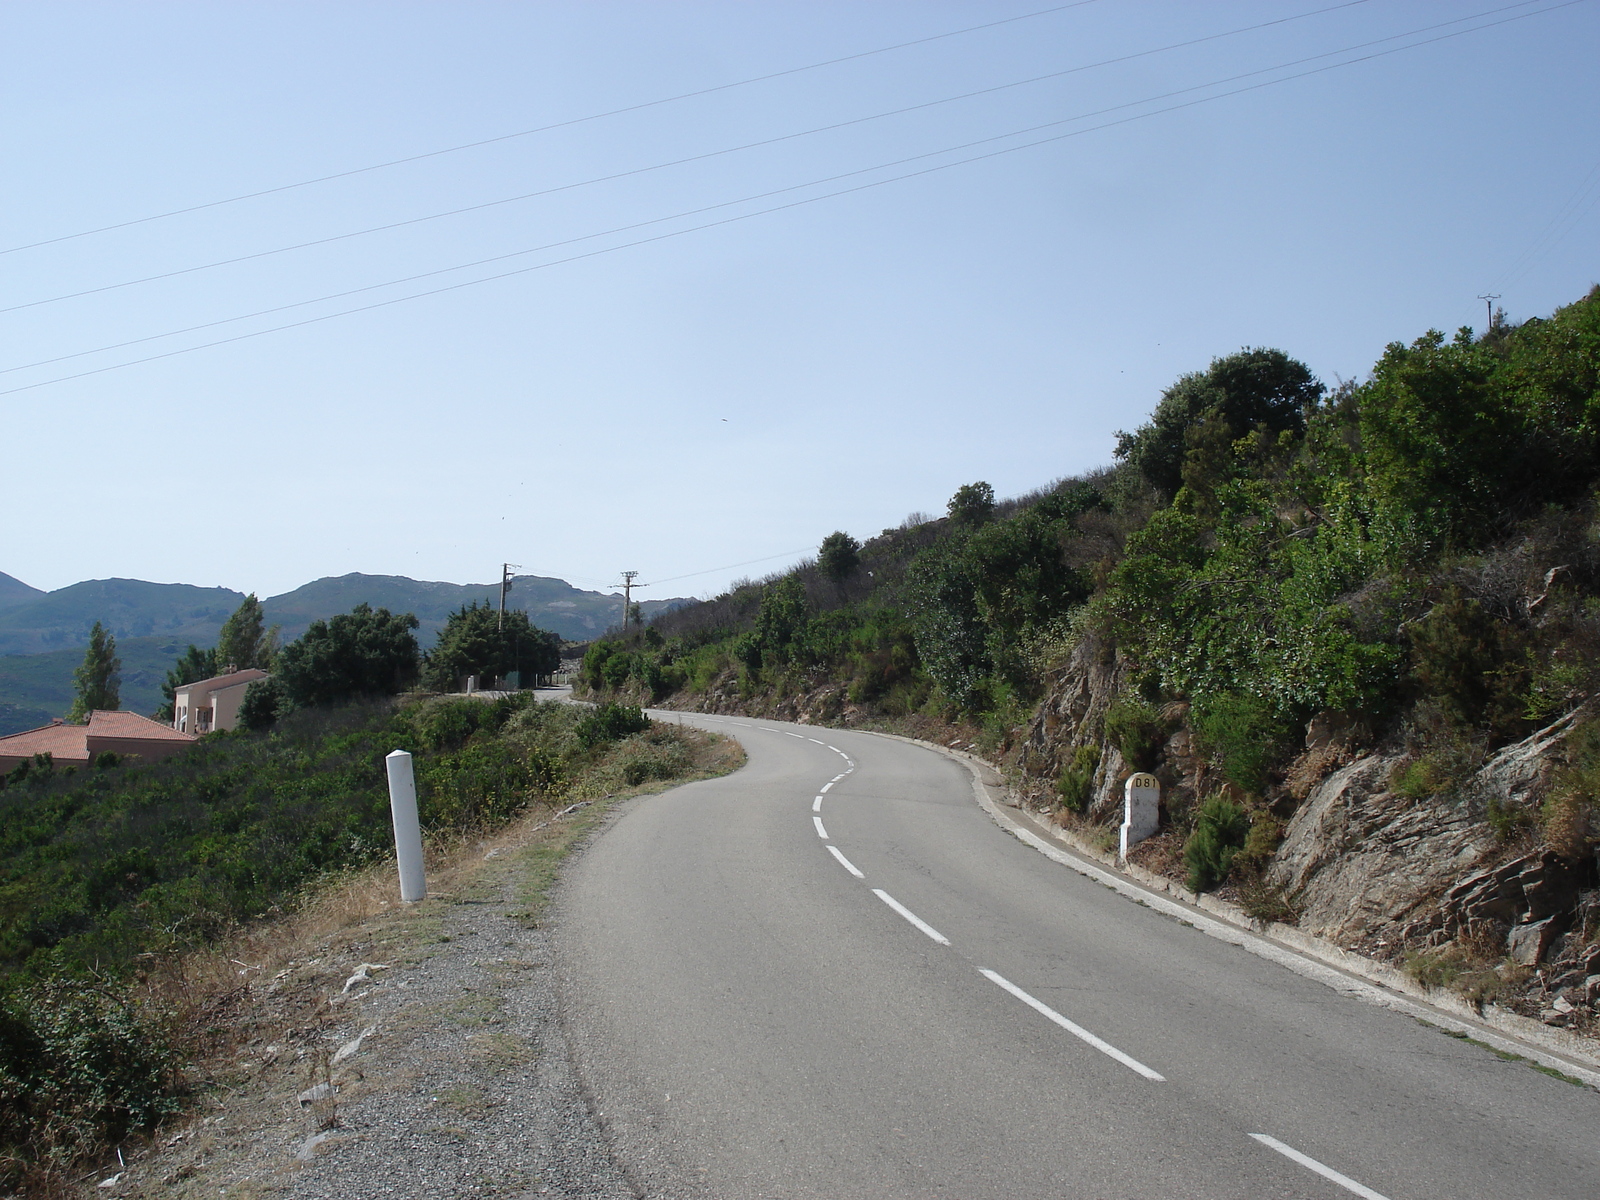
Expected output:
{"points": [[80, 1065], [1220, 831], [611, 723], [1136, 729], [1076, 783], [264, 702], [1241, 736]]}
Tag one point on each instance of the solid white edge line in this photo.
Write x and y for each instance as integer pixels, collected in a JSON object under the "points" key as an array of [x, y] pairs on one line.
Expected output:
{"points": [[1345, 984], [845, 862], [1077, 1031], [1311, 1164], [821, 832], [911, 916], [816, 805]]}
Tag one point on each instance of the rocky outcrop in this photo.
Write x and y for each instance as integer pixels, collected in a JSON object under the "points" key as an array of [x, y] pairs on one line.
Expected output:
{"points": [[1072, 714], [1359, 857]]}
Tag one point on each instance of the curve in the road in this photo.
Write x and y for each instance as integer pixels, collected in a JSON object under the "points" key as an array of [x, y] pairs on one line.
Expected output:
{"points": [[714, 955]]}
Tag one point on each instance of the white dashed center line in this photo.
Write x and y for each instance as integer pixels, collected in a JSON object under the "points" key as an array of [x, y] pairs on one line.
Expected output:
{"points": [[1077, 1031], [821, 832], [1311, 1164], [911, 916], [825, 788], [845, 862], [816, 805]]}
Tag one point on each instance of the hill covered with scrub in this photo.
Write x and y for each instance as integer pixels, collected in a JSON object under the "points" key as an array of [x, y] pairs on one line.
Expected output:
{"points": [[1355, 631]]}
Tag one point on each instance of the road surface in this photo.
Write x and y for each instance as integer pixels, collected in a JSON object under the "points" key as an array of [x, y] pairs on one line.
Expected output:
{"points": [[831, 974]]}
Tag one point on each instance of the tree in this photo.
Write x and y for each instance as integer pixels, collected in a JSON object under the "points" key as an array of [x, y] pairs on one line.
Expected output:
{"points": [[99, 678], [475, 642], [781, 618], [264, 702], [195, 664], [839, 557], [973, 504], [244, 641], [363, 652], [1252, 388]]}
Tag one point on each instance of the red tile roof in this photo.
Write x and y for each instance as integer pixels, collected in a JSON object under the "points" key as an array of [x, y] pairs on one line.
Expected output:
{"points": [[132, 725], [64, 743]]}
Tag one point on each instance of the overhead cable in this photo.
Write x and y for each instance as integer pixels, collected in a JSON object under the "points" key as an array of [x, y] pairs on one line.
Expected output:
{"points": [[678, 162], [773, 209], [522, 133]]}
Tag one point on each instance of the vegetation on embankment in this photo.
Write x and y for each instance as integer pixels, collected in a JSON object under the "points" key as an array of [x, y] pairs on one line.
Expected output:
{"points": [[109, 873], [1410, 562]]}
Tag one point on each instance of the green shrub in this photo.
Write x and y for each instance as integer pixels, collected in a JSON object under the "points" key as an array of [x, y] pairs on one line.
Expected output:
{"points": [[1076, 783], [80, 1065], [1262, 842], [611, 723], [1135, 728], [1221, 829], [483, 784], [1240, 735]]}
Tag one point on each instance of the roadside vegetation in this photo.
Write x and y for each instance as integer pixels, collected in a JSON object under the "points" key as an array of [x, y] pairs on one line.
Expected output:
{"points": [[1412, 560], [112, 876]]}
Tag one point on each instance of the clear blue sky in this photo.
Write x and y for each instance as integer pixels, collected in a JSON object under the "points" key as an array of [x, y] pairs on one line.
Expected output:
{"points": [[736, 392]]}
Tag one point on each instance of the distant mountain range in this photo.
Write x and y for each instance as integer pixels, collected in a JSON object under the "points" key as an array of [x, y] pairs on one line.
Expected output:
{"points": [[42, 634]]}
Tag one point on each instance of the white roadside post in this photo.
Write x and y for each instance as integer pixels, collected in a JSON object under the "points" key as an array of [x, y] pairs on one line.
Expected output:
{"points": [[1141, 807], [407, 830]]}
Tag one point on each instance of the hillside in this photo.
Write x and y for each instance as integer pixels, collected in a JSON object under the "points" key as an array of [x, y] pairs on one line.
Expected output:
{"points": [[1354, 633], [553, 604], [14, 591], [129, 608], [42, 634]]}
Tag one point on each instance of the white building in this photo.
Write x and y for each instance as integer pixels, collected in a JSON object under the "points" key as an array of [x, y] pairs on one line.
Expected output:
{"points": [[211, 704]]}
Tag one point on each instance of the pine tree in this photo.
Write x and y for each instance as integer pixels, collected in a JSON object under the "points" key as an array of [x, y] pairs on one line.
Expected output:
{"points": [[243, 642], [99, 678]]}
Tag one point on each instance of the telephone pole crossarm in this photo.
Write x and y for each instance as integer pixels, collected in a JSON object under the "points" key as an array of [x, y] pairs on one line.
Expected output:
{"points": [[627, 585]]}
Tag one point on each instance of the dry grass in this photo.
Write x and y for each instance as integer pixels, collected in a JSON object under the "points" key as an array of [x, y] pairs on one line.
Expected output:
{"points": [[254, 1013]]}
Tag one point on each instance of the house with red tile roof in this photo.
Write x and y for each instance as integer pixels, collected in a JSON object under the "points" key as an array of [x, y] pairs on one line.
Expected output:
{"points": [[123, 733], [210, 704]]}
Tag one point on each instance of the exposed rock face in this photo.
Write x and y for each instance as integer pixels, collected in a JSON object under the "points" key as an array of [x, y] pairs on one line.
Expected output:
{"points": [[1528, 894], [1073, 713], [1360, 857]]}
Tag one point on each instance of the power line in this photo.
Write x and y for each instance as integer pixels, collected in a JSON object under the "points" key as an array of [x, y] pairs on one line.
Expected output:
{"points": [[678, 162], [775, 208], [733, 566], [567, 124]]}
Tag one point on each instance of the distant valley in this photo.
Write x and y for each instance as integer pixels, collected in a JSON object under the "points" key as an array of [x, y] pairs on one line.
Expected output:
{"points": [[42, 634]]}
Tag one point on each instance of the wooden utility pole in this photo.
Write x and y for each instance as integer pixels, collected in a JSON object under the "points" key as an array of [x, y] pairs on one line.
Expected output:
{"points": [[505, 586], [627, 585]]}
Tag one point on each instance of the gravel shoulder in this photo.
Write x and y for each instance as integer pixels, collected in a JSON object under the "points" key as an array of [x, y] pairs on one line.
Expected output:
{"points": [[408, 1050]]}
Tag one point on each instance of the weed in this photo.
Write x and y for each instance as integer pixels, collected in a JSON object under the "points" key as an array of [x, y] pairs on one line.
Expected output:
{"points": [[1220, 832], [1076, 784], [1267, 902]]}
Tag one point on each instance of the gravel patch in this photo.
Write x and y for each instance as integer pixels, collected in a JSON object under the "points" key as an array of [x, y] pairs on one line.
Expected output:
{"points": [[429, 1061]]}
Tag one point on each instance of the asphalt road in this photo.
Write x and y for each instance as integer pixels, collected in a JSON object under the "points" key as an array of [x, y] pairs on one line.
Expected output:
{"points": [[752, 1019]]}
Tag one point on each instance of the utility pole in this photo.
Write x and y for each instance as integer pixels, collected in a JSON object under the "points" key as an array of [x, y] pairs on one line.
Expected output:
{"points": [[1488, 302], [627, 585], [505, 586]]}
